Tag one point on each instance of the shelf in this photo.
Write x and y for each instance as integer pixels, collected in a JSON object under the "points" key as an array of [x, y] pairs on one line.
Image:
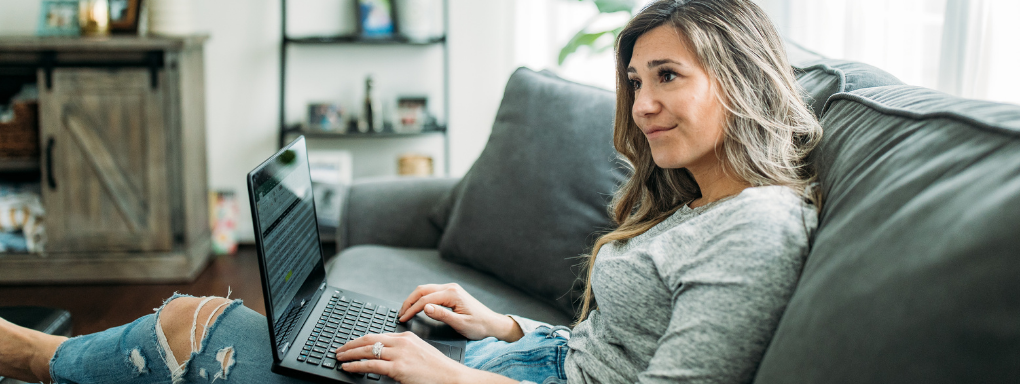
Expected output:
{"points": [[359, 135], [358, 40], [106, 44], [19, 165]]}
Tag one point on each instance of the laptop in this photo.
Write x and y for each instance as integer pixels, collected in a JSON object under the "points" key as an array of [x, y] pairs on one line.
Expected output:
{"points": [[309, 319]]}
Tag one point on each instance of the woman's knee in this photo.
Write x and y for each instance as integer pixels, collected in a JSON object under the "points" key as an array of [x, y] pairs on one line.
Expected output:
{"points": [[184, 322]]}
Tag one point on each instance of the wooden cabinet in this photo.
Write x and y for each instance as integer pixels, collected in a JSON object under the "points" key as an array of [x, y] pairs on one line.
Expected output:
{"points": [[123, 159]]}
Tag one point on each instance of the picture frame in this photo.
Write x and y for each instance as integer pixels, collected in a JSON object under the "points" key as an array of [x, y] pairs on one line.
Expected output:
{"points": [[325, 116], [412, 113], [125, 16], [376, 19], [58, 18]]}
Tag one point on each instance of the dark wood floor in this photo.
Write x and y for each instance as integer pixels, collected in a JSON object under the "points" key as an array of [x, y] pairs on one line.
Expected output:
{"points": [[95, 307]]}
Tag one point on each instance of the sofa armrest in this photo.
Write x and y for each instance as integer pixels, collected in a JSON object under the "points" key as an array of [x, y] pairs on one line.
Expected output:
{"points": [[392, 211]]}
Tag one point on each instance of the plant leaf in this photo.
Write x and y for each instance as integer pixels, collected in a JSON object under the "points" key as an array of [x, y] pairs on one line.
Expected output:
{"points": [[611, 44], [610, 6], [579, 40]]}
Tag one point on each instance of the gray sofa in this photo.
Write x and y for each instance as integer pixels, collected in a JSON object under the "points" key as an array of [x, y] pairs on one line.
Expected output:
{"points": [[914, 272]]}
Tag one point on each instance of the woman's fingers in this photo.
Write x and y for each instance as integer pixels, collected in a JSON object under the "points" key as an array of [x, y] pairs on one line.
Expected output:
{"points": [[439, 313], [411, 299], [446, 297], [359, 342], [418, 292], [381, 367], [361, 353], [369, 340]]}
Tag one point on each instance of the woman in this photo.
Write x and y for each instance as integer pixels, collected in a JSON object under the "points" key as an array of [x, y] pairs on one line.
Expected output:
{"points": [[713, 230]]}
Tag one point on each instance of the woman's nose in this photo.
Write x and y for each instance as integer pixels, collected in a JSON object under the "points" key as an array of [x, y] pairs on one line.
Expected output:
{"points": [[645, 104]]}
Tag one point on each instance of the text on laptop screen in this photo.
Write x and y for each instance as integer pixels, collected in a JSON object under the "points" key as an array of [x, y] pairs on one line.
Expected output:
{"points": [[283, 200]]}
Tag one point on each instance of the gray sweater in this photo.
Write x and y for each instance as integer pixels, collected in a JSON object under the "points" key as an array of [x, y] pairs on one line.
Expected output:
{"points": [[696, 298]]}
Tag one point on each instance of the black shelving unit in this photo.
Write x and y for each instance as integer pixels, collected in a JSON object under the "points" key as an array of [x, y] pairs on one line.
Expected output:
{"points": [[360, 135], [287, 43], [396, 40]]}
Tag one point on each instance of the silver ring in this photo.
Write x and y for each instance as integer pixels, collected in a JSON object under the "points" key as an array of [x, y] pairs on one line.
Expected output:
{"points": [[377, 350]]}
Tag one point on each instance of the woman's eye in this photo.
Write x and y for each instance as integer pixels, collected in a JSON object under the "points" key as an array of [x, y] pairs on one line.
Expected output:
{"points": [[635, 84], [668, 76]]}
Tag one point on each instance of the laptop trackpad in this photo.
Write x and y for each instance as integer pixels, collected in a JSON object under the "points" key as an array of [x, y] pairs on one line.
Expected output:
{"points": [[427, 328], [445, 349], [448, 350]]}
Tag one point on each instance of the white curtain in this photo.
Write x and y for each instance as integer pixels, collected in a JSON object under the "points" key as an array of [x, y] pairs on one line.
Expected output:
{"points": [[966, 48]]}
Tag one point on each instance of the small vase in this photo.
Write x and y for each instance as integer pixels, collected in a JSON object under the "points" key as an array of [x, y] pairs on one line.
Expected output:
{"points": [[171, 17]]}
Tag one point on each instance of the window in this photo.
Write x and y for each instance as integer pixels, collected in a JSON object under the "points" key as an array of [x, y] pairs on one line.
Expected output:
{"points": [[961, 47]]}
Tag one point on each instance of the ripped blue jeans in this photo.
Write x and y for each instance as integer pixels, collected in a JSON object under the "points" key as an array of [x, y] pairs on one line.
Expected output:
{"points": [[537, 358], [235, 348]]}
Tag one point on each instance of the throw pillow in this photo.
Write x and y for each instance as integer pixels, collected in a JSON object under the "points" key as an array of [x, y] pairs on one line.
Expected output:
{"points": [[536, 198], [797, 54], [825, 77]]}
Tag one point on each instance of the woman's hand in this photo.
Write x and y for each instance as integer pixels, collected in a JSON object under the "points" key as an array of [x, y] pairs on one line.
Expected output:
{"points": [[408, 359], [467, 316]]}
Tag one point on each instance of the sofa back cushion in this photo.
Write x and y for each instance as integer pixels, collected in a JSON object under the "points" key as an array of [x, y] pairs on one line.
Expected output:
{"points": [[537, 195], [823, 78], [913, 273], [797, 54]]}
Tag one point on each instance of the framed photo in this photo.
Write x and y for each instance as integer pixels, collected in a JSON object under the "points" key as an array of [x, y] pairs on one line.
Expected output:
{"points": [[375, 18], [58, 18], [412, 112], [124, 15], [325, 117]]}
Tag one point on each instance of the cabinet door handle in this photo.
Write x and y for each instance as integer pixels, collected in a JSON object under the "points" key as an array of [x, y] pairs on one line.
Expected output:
{"points": [[52, 181]]}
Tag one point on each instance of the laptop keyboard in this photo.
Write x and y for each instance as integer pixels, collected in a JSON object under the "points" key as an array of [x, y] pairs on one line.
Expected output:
{"points": [[343, 320]]}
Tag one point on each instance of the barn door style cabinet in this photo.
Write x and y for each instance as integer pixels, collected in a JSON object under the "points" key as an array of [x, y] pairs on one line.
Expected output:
{"points": [[123, 159]]}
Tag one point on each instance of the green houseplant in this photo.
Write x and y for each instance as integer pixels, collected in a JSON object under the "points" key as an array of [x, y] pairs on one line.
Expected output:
{"points": [[599, 39]]}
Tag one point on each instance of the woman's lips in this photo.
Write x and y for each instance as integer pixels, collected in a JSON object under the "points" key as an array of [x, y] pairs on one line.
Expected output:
{"points": [[657, 131]]}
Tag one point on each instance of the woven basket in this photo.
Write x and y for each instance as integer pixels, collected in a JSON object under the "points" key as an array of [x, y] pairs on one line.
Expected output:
{"points": [[20, 138], [414, 165]]}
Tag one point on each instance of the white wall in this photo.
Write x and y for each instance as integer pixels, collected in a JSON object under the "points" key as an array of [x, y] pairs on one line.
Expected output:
{"points": [[242, 73], [18, 17], [242, 82], [481, 61]]}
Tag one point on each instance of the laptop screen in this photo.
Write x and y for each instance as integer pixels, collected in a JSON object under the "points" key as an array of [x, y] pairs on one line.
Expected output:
{"points": [[281, 189]]}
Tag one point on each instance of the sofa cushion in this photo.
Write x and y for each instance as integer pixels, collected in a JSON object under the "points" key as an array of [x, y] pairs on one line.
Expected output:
{"points": [[823, 78], [392, 211], [395, 272], [536, 196], [797, 54], [913, 272]]}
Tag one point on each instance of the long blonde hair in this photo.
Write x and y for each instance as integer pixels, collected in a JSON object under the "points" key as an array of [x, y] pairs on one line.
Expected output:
{"points": [[769, 130]]}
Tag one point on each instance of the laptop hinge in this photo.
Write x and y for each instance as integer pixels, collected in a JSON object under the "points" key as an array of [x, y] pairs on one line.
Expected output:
{"points": [[323, 286]]}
